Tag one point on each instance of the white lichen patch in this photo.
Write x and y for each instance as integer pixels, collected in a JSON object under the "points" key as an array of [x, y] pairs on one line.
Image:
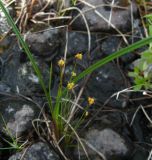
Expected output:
{"points": [[4, 27], [33, 78], [23, 70], [9, 109], [105, 75]]}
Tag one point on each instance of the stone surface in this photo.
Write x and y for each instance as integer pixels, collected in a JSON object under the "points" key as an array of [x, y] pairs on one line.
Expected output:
{"points": [[110, 45], [113, 120], [78, 42], [140, 154], [21, 78], [114, 43], [106, 81], [38, 151], [121, 17], [17, 117], [107, 142], [4, 88], [45, 42]]}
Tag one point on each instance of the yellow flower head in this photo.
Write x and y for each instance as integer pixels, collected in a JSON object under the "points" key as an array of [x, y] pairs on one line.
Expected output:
{"points": [[70, 85], [79, 56], [61, 63], [73, 74], [91, 101]]}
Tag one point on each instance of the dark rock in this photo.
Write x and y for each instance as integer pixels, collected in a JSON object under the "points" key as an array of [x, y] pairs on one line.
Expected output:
{"points": [[16, 117], [113, 44], [76, 66], [128, 58], [121, 17], [108, 142], [78, 42], [105, 82], [4, 88], [110, 45], [115, 120], [38, 151], [44, 43], [140, 154], [137, 129], [21, 76]]}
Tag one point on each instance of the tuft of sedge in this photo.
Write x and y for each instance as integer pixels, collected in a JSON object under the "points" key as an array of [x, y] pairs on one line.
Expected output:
{"points": [[70, 85], [79, 56], [91, 101], [61, 63]]}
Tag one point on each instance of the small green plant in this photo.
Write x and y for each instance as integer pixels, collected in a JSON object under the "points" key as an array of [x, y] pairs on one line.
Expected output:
{"points": [[142, 73], [13, 143]]}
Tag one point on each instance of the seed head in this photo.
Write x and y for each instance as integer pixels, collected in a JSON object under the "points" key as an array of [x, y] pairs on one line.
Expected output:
{"points": [[79, 56], [61, 63], [70, 85], [91, 101]]}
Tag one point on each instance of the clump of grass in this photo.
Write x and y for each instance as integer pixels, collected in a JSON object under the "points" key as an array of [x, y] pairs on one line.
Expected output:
{"points": [[63, 111]]}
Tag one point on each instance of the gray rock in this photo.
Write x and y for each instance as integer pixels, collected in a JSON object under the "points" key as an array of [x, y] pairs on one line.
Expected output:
{"points": [[105, 82], [16, 117], [121, 18], [108, 142], [44, 43], [38, 151]]}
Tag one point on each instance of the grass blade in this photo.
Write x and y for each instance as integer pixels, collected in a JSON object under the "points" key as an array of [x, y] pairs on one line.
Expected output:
{"points": [[113, 56]]}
